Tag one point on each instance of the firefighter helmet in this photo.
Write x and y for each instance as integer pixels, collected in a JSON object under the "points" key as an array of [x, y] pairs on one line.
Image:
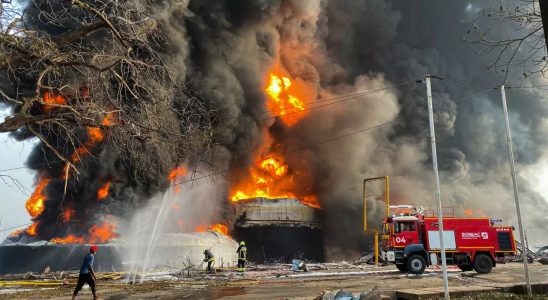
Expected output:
{"points": [[242, 243]]}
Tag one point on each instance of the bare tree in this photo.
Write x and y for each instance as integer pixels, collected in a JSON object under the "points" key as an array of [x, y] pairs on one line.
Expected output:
{"points": [[520, 44], [81, 73]]}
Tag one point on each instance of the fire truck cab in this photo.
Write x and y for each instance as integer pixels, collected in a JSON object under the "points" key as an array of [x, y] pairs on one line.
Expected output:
{"points": [[412, 242]]}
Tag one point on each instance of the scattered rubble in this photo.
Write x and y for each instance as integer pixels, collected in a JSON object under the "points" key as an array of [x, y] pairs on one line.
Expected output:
{"points": [[374, 294]]}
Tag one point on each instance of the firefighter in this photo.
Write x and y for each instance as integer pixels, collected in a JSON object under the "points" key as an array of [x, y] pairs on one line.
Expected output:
{"points": [[242, 256], [86, 273], [210, 259]]}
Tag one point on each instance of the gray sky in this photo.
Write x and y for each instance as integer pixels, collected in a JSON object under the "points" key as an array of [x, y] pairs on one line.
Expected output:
{"points": [[13, 154]]}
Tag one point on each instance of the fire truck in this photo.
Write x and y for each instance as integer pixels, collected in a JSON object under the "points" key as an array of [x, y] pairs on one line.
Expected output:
{"points": [[411, 240]]}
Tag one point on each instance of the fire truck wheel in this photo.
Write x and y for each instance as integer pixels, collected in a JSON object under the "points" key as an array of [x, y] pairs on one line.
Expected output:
{"points": [[416, 264], [402, 268], [483, 264]]}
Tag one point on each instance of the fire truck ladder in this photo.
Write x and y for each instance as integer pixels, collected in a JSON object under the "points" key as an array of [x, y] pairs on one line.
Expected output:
{"points": [[530, 254]]}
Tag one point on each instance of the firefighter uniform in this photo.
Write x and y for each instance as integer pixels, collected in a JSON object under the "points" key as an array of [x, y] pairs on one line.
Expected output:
{"points": [[210, 259], [242, 256]]}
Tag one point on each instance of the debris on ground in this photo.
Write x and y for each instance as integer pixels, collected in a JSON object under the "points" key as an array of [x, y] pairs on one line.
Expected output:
{"points": [[298, 265], [374, 294]]}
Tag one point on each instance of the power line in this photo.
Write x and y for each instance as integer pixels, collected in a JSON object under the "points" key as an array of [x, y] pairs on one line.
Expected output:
{"points": [[259, 161], [352, 96], [6, 229], [286, 153], [528, 95], [346, 98], [472, 82]]}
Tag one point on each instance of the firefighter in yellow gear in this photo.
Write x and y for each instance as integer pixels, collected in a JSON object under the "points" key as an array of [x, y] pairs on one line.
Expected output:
{"points": [[210, 259], [242, 256]]}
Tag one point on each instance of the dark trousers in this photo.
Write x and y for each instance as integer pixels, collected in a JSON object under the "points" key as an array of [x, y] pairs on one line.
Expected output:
{"points": [[209, 269], [85, 278], [241, 264]]}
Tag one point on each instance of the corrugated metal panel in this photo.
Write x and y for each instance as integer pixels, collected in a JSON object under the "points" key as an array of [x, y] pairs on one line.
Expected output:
{"points": [[282, 212]]}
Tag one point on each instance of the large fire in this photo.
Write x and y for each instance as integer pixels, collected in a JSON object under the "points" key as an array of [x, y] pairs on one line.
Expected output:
{"points": [[95, 135], [35, 204], [97, 234], [267, 181], [219, 228], [272, 177], [282, 99]]}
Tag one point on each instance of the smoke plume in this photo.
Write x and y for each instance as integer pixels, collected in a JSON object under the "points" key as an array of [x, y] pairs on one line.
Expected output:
{"points": [[224, 51]]}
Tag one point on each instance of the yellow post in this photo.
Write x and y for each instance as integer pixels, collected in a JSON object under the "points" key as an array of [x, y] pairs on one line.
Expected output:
{"points": [[364, 207], [386, 197], [376, 248]]}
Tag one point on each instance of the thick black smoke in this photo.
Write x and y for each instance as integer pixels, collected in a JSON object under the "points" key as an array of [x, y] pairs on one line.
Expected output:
{"points": [[346, 46], [225, 48]]}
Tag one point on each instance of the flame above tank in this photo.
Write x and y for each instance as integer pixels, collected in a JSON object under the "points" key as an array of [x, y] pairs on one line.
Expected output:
{"points": [[271, 176]]}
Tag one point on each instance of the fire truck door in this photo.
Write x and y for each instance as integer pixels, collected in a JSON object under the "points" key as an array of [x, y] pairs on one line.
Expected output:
{"points": [[406, 233]]}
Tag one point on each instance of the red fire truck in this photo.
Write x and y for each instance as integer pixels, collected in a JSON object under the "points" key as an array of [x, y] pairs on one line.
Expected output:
{"points": [[412, 241]]}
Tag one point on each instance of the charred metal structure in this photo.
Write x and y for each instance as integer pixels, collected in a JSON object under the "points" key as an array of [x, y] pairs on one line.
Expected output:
{"points": [[279, 229]]}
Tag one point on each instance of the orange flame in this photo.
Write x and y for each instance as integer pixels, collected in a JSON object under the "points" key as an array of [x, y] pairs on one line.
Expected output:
{"points": [[282, 101], [68, 214], [109, 119], [102, 193], [95, 136], [269, 179], [69, 239], [97, 234], [219, 228], [200, 228], [35, 204], [177, 172], [274, 166], [311, 201], [272, 177], [52, 101], [468, 212], [32, 229]]}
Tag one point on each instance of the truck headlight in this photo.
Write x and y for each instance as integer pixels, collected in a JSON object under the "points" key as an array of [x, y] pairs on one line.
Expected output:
{"points": [[390, 256]]}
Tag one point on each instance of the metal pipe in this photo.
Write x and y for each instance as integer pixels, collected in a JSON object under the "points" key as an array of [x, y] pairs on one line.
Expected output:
{"points": [[438, 189], [516, 191]]}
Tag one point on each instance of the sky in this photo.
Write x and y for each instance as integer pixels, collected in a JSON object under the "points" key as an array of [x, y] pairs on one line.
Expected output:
{"points": [[13, 154]]}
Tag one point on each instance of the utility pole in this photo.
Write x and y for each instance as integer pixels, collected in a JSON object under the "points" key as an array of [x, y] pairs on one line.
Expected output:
{"points": [[516, 192], [428, 78]]}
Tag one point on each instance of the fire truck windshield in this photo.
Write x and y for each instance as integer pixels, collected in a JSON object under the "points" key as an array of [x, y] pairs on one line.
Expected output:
{"points": [[404, 226]]}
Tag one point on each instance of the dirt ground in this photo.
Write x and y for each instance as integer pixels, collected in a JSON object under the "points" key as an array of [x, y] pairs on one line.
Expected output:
{"points": [[269, 283]]}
